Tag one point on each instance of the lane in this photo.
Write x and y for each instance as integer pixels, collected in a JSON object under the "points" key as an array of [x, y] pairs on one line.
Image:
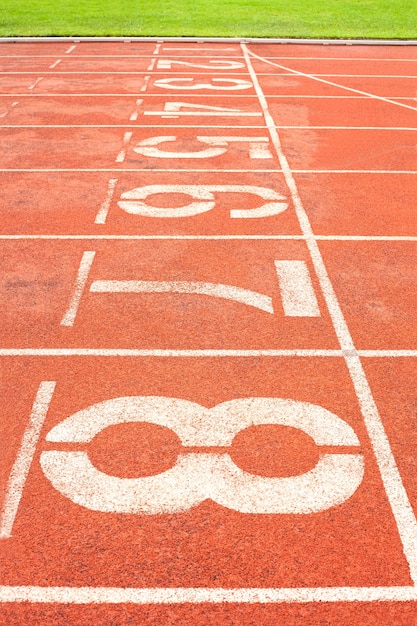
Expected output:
{"points": [[234, 550], [360, 204], [347, 113], [42, 289], [376, 285], [96, 203]]}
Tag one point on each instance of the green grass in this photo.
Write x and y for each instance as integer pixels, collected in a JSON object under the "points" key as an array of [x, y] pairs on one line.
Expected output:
{"points": [[387, 19]]}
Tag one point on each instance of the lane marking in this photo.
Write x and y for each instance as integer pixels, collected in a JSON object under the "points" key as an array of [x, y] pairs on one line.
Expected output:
{"points": [[37, 81], [79, 286], [212, 64], [327, 82], [196, 477], [70, 49], [203, 56], [219, 145], [201, 595], [213, 237], [157, 48], [354, 171], [203, 199], [133, 118], [153, 61], [51, 67], [189, 95], [145, 83], [14, 104], [206, 49], [132, 169], [388, 353], [218, 71], [343, 59], [138, 352], [122, 154], [297, 291], [144, 352], [188, 170], [215, 290], [23, 460], [104, 209], [391, 478], [174, 110]]}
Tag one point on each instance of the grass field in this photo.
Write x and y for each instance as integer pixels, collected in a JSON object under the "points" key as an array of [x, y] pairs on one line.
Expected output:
{"points": [[387, 19]]}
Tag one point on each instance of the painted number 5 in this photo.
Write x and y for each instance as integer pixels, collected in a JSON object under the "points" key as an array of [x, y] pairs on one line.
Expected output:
{"points": [[196, 477]]}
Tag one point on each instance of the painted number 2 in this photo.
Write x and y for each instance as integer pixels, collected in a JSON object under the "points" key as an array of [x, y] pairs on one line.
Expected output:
{"points": [[198, 476]]}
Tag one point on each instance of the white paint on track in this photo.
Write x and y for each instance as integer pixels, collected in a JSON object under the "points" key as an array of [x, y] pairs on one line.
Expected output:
{"points": [[80, 283], [104, 208], [200, 595], [216, 290], [297, 291], [143, 352], [207, 237], [23, 461]]}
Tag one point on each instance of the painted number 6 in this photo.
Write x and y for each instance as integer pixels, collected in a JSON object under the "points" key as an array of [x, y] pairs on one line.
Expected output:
{"points": [[196, 477]]}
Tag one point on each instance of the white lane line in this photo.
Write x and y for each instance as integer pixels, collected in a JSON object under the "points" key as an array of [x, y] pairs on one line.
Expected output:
{"points": [[138, 73], [117, 56], [328, 82], [146, 80], [365, 237], [342, 59], [188, 170], [37, 81], [206, 73], [200, 595], [79, 286], [387, 353], [132, 118], [189, 95], [51, 67], [70, 49], [138, 352], [122, 154], [215, 290], [211, 237], [297, 291], [353, 75], [128, 352], [104, 209], [384, 128], [131, 169], [23, 461], [391, 478], [14, 104], [354, 171], [135, 114]]}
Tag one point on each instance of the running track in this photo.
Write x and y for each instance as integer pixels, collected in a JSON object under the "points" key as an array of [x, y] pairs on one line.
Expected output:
{"points": [[209, 344]]}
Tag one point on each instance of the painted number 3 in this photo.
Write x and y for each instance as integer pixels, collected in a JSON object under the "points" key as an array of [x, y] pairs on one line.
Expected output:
{"points": [[196, 477]]}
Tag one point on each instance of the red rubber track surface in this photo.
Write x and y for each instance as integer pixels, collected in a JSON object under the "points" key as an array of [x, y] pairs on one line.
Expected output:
{"points": [[208, 223]]}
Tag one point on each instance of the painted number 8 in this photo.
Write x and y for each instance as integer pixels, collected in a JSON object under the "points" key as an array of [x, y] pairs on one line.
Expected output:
{"points": [[196, 477]]}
